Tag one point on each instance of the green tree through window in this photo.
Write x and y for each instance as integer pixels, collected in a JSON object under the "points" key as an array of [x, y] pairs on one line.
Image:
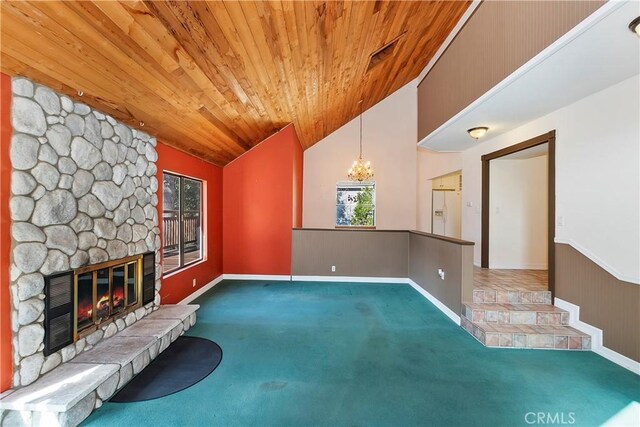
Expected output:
{"points": [[355, 204], [363, 212]]}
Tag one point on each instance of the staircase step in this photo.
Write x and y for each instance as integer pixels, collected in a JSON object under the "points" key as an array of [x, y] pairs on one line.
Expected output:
{"points": [[524, 314], [527, 336], [512, 296]]}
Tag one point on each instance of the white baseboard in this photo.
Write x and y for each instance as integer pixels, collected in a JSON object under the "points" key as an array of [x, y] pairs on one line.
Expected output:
{"points": [[202, 290], [357, 279], [628, 416], [435, 301], [256, 277], [222, 277], [597, 345], [439, 305]]}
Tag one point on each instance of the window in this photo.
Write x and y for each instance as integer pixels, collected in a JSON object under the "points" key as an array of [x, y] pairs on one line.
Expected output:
{"points": [[182, 221], [356, 205]]}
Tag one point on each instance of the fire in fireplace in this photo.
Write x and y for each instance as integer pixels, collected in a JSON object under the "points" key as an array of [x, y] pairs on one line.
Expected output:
{"points": [[84, 298]]}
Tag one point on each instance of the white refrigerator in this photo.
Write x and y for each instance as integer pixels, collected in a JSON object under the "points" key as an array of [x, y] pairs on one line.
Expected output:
{"points": [[445, 213]]}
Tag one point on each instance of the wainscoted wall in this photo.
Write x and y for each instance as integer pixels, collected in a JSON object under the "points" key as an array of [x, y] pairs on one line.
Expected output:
{"points": [[179, 285], [605, 302], [390, 254], [260, 191], [83, 191], [364, 253], [497, 39], [428, 254]]}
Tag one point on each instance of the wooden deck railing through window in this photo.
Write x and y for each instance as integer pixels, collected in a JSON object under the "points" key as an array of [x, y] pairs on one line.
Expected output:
{"points": [[171, 231]]}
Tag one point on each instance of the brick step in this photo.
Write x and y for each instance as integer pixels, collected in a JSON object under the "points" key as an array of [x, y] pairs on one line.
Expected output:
{"points": [[519, 314], [511, 296], [527, 336]]}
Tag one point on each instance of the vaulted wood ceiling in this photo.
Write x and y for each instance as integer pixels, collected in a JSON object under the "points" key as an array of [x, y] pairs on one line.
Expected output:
{"points": [[215, 78]]}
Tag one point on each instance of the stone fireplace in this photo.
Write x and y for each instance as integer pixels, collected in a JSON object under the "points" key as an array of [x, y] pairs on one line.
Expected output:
{"points": [[83, 205]]}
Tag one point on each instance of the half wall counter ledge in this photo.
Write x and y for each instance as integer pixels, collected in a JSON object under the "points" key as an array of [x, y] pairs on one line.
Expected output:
{"points": [[443, 267], [439, 267]]}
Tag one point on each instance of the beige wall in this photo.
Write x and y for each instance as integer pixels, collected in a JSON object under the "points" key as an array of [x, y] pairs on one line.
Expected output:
{"points": [[498, 38], [389, 138], [518, 213]]}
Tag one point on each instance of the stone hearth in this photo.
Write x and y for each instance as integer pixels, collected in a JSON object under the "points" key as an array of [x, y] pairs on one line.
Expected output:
{"points": [[69, 393]]}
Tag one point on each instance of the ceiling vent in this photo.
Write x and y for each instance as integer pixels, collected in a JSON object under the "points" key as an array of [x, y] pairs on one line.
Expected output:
{"points": [[384, 53]]}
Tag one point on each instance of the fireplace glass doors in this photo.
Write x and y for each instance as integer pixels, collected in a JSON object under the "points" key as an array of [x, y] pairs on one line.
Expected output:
{"points": [[105, 290], [78, 301], [84, 300]]}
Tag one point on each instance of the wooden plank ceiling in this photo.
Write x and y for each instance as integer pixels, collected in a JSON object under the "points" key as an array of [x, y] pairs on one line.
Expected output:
{"points": [[215, 78]]}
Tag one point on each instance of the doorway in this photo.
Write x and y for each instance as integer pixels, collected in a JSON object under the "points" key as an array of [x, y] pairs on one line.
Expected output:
{"points": [[495, 165], [446, 205]]}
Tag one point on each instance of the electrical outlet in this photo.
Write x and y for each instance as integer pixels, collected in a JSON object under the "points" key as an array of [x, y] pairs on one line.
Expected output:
{"points": [[194, 283], [441, 273], [333, 268], [560, 221]]}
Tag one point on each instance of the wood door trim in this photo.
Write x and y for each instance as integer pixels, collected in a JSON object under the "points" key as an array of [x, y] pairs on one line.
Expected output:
{"points": [[550, 138]]}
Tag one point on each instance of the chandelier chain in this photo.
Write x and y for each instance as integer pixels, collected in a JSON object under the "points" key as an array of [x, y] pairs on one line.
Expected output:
{"points": [[360, 170], [360, 130]]}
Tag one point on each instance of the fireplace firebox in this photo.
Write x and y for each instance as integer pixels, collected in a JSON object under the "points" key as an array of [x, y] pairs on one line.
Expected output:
{"points": [[79, 301]]}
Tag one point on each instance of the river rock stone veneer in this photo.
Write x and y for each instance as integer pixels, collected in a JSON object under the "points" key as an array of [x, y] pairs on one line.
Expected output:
{"points": [[83, 191]]}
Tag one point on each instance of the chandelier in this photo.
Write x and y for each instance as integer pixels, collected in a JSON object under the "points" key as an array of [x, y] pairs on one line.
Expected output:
{"points": [[360, 170]]}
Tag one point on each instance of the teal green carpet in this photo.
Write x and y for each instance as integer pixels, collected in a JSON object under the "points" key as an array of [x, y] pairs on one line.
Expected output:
{"points": [[353, 354]]}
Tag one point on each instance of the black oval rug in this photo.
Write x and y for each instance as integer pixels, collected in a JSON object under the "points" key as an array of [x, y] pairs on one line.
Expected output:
{"points": [[185, 362]]}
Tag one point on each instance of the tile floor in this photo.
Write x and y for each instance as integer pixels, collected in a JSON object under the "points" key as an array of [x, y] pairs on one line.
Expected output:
{"points": [[509, 280]]}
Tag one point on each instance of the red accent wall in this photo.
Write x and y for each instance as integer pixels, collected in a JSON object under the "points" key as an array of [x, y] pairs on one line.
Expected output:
{"points": [[262, 201], [179, 285], [6, 364], [298, 160]]}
